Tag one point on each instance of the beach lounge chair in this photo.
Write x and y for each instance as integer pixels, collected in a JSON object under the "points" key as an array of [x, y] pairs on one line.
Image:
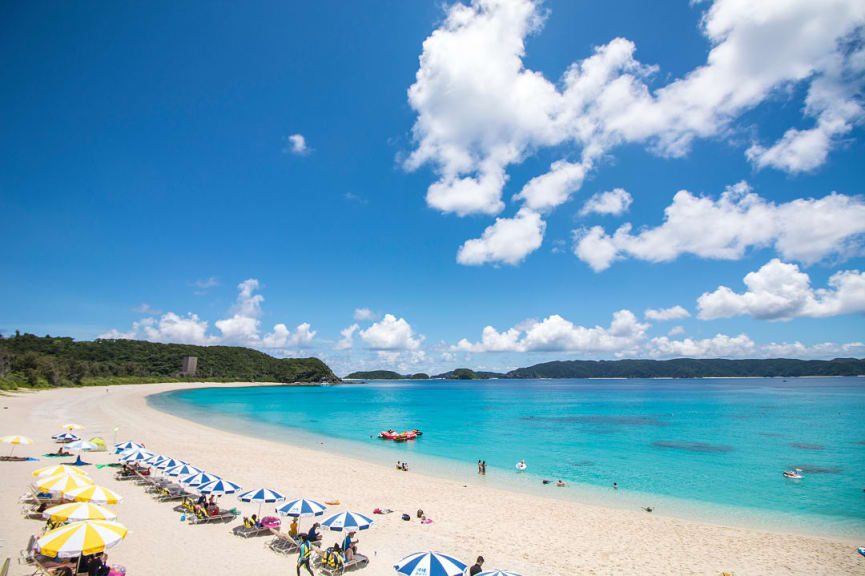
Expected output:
{"points": [[282, 543], [221, 515], [170, 493], [250, 530], [326, 565], [48, 567]]}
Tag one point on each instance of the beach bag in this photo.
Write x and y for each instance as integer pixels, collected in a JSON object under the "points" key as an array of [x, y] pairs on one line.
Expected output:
{"points": [[406, 517], [419, 513]]}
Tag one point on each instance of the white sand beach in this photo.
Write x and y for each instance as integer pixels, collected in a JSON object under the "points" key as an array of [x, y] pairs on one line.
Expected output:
{"points": [[565, 538]]}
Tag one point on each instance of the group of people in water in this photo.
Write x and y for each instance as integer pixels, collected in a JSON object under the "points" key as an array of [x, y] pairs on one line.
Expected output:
{"points": [[402, 466], [482, 466]]}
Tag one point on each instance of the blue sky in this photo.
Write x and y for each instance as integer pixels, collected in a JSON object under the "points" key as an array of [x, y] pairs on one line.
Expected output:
{"points": [[152, 179]]}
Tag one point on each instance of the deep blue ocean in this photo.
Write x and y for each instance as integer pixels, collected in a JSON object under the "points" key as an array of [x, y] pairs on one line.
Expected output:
{"points": [[712, 449]]}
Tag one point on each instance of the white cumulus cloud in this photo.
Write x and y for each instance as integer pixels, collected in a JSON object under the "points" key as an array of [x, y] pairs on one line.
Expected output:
{"points": [[720, 346], [509, 240], [296, 144], [241, 328], [806, 230], [554, 333], [391, 334], [780, 291], [613, 202], [480, 110], [664, 314], [347, 340], [364, 314]]}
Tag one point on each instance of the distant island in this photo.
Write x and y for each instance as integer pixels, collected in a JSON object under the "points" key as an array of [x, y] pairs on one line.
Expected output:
{"points": [[386, 375], [45, 361], [33, 361], [677, 368]]}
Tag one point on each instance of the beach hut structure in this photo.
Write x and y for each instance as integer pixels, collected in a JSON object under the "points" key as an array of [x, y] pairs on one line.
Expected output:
{"points": [[429, 564]]}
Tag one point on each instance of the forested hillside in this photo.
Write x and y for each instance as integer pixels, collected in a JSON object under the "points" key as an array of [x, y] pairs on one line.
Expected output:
{"points": [[691, 368], [31, 361]]}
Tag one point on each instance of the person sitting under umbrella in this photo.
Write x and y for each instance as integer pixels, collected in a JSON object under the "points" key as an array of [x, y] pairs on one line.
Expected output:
{"points": [[349, 546], [313, 534]]}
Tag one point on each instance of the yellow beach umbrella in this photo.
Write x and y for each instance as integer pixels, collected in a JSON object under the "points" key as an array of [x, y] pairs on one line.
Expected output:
{"points": [[15, 441], [60, 469], [78, 538], [61, 483], [72, 427], [76, 511], [95, 494]]}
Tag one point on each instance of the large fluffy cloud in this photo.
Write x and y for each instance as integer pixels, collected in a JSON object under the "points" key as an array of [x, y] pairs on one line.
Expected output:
{"points": [[391, 334], [780, 291], [806, 230], [720, 346], [509, 240], [554, 333], [480, 110], [242, 328]]}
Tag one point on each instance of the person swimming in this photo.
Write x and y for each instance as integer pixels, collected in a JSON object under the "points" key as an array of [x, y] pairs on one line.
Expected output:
{"points": [[560, 484]]}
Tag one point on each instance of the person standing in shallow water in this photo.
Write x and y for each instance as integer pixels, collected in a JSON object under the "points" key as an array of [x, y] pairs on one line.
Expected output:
{"points": [[484, 467], [479, 467]]}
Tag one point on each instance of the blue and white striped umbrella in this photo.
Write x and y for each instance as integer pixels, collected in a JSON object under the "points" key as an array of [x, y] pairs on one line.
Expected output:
{"points": [[218, 487], [499, 573], [81, 445], [348, 521], [155, 460], [135, 455], [169, 463], [66, 436], [302, 508], [429, 564], [124, 446], [182, 470], [200, 479], [261, 496]]}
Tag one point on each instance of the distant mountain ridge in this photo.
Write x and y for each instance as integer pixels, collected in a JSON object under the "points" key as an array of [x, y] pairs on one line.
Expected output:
{"points": [[692, 368], [676, 368]]}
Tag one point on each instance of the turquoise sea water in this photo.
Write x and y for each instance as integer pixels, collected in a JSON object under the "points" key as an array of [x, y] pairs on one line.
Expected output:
{"points": [[709, 449]]}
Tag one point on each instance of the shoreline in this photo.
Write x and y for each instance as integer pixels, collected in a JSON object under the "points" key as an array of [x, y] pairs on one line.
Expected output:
{"points": [[435, 466], [530, 534]]}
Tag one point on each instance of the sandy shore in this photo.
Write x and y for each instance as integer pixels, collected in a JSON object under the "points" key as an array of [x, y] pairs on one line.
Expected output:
{"points": [[529, 534]]}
